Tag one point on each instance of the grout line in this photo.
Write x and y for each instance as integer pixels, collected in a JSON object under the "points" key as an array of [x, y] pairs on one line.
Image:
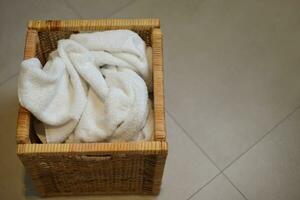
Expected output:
{"points": [[193, 141], [107, 16], [204, 152], [7, 79], [203, 186], [200, 148], [121, 8], [266, 134], [222, 171], [252, 146], [72, 8], [230, 181]]}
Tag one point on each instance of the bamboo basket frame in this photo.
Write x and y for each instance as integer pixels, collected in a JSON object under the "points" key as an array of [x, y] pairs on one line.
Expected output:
{"points": [[143, 162]]}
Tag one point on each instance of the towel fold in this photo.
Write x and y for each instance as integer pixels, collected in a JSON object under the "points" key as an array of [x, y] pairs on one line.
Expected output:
{"points": [[93, 88], [144, 135]]}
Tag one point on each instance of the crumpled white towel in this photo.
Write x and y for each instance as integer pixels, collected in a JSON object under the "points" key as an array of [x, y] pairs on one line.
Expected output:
{"points": [[95, 84], [144, 135]]}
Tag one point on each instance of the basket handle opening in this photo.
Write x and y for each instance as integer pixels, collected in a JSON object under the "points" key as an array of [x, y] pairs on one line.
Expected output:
{"points": [[93, 157]]}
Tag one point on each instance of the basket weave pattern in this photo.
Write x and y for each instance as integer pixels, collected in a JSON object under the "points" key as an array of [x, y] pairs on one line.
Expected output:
{"points": [[94, 168]]}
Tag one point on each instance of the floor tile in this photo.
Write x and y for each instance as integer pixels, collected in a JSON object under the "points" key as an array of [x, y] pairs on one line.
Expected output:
{"points": [[187, 169], [231, 68], [219, 189], [14, 16], [93, 9], [231, 74], [271, 170], [11, 184]]}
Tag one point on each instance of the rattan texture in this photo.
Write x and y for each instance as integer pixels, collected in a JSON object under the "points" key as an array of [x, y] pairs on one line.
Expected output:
{"points": [[94, 168]]}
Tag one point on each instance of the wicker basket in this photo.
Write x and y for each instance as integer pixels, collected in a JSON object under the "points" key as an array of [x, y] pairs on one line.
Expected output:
{"points": [[94, 168]]}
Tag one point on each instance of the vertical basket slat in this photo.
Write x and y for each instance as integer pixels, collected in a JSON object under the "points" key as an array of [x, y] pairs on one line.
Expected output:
{"points": [[158, 87], [23, 123]]}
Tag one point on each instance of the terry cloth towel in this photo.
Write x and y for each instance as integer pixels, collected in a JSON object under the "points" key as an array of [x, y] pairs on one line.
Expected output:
{"points": [[94, 85], [145, 135]]}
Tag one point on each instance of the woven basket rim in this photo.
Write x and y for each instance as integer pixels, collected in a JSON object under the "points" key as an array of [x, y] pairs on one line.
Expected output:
{"points": [[158, 145], [149, 147], [93, 24]]}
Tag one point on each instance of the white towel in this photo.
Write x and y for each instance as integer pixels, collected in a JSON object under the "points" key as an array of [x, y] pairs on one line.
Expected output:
{"points": [[94, 84], [124, 49], [144, 135]]}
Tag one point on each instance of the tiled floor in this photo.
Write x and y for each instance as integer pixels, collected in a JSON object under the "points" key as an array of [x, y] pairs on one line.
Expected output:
{"points": [[232, 94]]}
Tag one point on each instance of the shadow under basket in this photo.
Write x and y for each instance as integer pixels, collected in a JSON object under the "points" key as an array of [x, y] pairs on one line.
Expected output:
{"points": [[94, 168]]}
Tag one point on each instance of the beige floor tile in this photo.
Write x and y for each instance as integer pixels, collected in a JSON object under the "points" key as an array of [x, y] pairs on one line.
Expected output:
{"points": [[11, 183], [271, 170], [219, 189], [231, 74], [93, 9], [14, 15], [187, 169], [231, 68]]}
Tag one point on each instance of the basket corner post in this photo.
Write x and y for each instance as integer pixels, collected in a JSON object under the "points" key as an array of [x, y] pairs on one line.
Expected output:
{"points": [[153, 171]]}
